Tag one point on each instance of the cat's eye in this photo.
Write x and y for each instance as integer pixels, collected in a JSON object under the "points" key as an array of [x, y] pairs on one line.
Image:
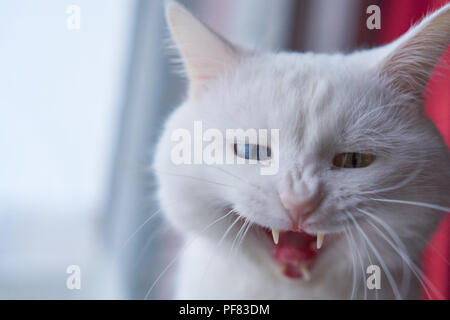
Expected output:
{"points": [[353, 160], [252, 151]]}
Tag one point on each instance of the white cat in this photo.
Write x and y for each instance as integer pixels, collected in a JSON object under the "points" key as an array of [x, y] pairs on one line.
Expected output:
{"points": [[361, 168]]}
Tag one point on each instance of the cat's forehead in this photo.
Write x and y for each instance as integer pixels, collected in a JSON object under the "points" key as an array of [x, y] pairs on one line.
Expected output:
{"points": [[277, 88], [312, 99], [310, 75]]}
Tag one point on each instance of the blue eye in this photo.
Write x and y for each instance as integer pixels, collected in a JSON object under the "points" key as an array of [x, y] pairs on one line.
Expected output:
{"points": [[252, 151]]}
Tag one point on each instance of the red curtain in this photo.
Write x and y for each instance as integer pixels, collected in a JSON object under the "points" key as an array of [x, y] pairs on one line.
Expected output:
{"points": [[396, 18]]}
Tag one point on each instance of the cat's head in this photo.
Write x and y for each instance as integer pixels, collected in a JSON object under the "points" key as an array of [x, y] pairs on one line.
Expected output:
{"points": [[351, 130]]}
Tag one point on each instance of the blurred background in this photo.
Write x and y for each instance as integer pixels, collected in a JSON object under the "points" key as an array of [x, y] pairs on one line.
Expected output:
{"points": [[85, 87]]}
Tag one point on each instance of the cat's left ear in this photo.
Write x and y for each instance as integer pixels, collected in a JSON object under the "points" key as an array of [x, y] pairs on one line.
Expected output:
{"points": [[411, 61], [204, 53]]}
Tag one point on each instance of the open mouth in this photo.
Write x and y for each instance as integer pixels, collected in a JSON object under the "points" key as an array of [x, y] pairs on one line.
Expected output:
{"points": [[295, 251]]}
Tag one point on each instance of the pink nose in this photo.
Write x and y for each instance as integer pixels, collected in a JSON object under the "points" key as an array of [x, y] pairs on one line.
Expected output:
{"points": [[299, 209]]}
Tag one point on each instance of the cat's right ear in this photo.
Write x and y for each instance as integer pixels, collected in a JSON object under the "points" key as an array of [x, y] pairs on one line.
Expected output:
{"points": [[413, 56], [204, 53]]}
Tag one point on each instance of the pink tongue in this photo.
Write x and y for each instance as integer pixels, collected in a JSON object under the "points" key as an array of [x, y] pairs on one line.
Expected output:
{"points": [[293, 250]]}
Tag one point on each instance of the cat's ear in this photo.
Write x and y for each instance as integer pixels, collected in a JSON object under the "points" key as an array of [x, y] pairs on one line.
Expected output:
{"points": [[205, 55], [413, 57]]}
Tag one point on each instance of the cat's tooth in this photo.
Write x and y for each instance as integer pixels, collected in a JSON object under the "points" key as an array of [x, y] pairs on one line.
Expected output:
{"points": [[305, 272], [275, 235], [320, 237]]}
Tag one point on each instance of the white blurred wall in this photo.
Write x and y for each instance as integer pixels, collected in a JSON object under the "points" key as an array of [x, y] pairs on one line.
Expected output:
{"points": [[60, 97]]}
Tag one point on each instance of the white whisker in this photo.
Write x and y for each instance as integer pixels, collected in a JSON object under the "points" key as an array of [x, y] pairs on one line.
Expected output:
{"points": [[411, 264], [401, 184], [181, 251], [139, 229], [402, 255], [241, 230], [406, 274], [351, 247], [361, 262], [377, 254], [194, 178], [249, 225], [218, 245], [415, 203], [234, 176]]}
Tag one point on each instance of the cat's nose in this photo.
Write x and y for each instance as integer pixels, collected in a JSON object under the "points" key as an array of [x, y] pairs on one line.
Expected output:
{"points": [[299, 194], [299, 208]]}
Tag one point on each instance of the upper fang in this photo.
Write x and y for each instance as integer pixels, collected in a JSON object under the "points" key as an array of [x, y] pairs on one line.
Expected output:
{"points": [[320, 237], [275, 235]]}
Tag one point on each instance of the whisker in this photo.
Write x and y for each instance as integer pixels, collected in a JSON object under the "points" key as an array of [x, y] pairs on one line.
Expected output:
{"points": [[412, 265], [141, 226], [406, 274], [181, 251], [351, 247], [249, 225], [402, 255], [218, 245], [235, 176], [401, 184], [139, 229], [435, 250], [196, 178], [369, 255], [155, 234], [377, 254], [415, 203], [238, 234], [361, 262]]}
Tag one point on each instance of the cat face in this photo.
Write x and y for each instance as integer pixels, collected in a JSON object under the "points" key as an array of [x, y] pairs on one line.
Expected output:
{"points": [[319, 118], [351, 133]]}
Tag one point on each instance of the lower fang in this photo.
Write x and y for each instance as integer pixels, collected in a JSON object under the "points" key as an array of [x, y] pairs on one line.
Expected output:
{"points": [[305, 272]]}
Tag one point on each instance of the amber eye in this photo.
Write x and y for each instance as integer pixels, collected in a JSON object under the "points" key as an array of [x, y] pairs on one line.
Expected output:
{"points": [[353, 160]]}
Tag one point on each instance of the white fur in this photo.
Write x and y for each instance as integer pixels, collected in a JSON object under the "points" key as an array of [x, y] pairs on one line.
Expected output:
{"points": [[323, 105]]}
